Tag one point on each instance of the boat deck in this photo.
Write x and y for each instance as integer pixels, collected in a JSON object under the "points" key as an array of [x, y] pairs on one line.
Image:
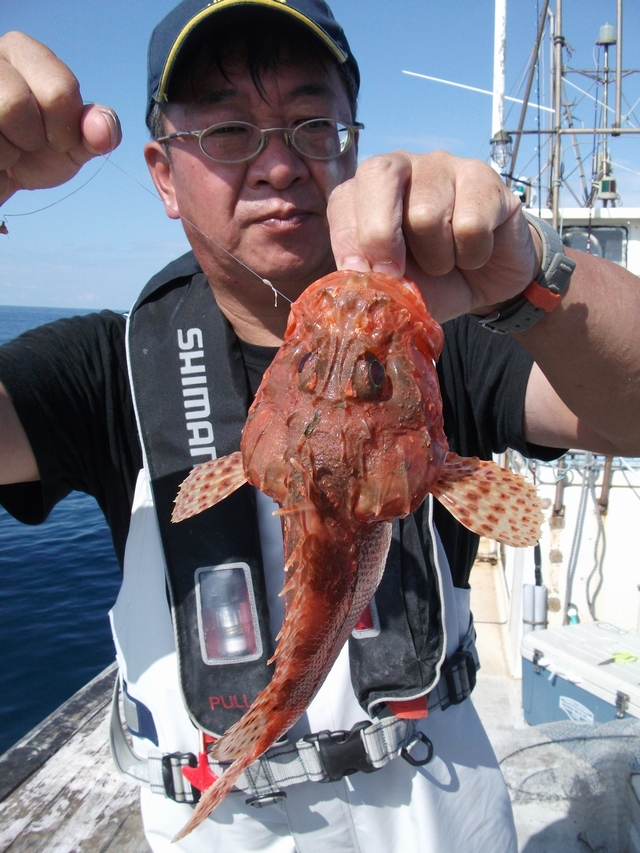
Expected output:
{"points": [[570, 784], [59, 792]]}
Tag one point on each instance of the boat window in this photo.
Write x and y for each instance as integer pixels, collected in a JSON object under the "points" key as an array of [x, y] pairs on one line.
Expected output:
{"points": [[604, 241]]}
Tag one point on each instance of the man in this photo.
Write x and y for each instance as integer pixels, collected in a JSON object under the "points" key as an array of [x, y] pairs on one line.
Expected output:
{"points": [[239, 94]]}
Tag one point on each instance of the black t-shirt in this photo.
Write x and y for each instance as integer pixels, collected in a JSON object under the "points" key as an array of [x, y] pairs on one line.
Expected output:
{"points": [[68, 382]]}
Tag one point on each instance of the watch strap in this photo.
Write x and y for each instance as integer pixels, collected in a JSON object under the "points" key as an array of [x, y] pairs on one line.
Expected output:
{"points": [[544, 294]]}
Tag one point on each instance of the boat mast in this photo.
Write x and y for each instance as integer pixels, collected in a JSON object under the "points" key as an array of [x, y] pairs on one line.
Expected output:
{"points": [[499, 73], [617, 120], [561, 123], [527, 91], [558, 42]]}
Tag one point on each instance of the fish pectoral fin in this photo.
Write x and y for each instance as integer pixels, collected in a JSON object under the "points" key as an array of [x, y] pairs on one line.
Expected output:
{"points": [[490, 501], [242, 737], [207, 485]]}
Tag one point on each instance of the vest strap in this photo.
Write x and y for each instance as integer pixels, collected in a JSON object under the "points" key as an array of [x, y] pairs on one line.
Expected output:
{"points": [[458, 673], [320, 757]]}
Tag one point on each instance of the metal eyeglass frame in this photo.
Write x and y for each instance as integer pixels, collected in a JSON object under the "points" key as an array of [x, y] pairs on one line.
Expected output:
{"points": [[289, 134]]}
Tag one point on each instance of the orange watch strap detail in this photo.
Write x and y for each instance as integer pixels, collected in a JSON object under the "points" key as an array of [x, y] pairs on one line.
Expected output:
{"points": [[542, 297]]}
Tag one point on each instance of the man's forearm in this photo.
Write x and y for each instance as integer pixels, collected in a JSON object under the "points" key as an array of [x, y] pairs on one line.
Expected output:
{"points": [[17, 462], [589, 350]]}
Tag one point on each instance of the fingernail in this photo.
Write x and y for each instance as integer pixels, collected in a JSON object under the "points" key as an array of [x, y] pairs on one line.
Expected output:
{"points": [[355, 263], [389, 268], [115, 128]]}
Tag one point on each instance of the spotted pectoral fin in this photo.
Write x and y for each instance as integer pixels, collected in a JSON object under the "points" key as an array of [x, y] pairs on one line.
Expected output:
{"points": [[489, 500], [208, 484]]}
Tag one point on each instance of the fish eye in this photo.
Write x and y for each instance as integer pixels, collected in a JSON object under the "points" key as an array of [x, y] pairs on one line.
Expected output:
{"points": [[377, 373], [369, 377]]}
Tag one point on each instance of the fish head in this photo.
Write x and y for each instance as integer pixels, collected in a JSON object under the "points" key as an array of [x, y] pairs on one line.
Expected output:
{"points": [[349, 414]]}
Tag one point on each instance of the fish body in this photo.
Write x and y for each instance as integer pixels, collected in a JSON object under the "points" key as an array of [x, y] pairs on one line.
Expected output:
{"points": [[345, 434]]}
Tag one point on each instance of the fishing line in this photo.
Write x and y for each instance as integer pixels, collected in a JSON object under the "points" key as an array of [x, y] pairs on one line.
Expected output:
{"points": [[538, 115], [64, 197], [266, 281], [106, 158]]}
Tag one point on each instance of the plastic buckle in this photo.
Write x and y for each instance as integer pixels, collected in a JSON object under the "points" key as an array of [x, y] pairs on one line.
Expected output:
{"points": [[459, 673], [342, 752], [175, 785]]}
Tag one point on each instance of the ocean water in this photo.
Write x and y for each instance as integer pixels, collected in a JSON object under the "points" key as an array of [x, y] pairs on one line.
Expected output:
{"points": [[57, 583]]}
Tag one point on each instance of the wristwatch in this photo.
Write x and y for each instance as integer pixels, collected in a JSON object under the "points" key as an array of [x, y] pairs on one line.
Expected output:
{"points": [[544, 293]]}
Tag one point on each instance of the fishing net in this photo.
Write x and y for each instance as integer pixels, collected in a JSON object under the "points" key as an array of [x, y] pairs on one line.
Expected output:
{"points": [[585, 771]]}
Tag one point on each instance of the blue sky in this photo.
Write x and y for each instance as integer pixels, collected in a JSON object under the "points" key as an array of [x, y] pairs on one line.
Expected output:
{"points": [[98, 247]]}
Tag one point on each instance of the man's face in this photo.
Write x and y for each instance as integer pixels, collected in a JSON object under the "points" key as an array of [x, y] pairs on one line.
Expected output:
{"points": [[270, 212]]}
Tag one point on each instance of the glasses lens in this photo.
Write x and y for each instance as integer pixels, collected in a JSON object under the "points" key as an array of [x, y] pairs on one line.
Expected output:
{"points": [[232, 141], [322, 138]]}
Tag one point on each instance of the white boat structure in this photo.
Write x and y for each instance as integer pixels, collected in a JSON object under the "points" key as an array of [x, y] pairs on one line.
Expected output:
{"points": [[559, 625], [588, 555], [566, 725]]}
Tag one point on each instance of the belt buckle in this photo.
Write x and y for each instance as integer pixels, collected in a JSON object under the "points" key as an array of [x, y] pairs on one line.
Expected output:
{"points": [[176, 786], [462, 665], [342, 752]]}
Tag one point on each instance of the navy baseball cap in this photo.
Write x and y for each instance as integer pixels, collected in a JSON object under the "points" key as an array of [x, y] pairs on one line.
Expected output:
{"points": [[171, 34]]}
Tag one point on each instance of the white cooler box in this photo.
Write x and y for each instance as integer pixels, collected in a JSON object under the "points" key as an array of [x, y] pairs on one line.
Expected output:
{"points": [[561, 679]]}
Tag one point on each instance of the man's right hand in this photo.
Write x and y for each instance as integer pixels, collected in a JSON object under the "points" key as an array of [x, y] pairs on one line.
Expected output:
{"points": [[46, 132]]}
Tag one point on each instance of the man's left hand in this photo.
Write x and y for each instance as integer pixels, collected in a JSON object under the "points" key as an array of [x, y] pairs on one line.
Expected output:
{"points": [[448, 223]]}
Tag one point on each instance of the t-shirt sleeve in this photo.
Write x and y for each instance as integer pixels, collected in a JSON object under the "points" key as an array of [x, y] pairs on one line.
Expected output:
{"points": [[68, 383], [484, 380]]}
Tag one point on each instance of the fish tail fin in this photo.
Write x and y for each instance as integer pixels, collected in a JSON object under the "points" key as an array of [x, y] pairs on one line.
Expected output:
{"points": [[242, 744], [207, 485], [490, 501], [246, 735], [213, 796]]}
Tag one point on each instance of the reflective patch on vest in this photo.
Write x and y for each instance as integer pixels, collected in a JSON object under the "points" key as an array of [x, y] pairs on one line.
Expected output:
{"points": [[227, 615]]}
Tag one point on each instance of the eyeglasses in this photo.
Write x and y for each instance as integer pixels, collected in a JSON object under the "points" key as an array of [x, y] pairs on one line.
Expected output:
{"points": [[238, 141]]}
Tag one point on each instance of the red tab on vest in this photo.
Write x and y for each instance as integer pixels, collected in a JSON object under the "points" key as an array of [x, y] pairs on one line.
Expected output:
{"points": [[201, 777], [409, 709], [365, 622]]}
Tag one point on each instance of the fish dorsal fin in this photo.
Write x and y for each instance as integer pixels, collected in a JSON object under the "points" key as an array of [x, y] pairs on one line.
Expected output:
{"points": [[208, 484], [490, 501]]}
